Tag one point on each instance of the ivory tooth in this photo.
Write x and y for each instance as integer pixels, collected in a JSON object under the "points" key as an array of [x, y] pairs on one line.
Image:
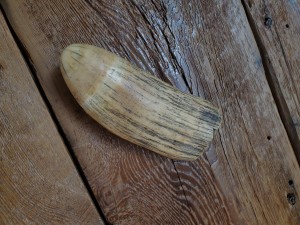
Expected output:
{"points": [[137, 106]]}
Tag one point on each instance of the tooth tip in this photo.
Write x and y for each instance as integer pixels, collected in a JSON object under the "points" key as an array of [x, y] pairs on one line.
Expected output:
{"points": [[75, 67], [70, 58]]}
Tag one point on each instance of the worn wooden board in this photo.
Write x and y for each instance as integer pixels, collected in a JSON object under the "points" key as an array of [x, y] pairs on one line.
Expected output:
{"points": [[277, 28], [38, 181], [254, 157], [132, 185], [205, 47]]}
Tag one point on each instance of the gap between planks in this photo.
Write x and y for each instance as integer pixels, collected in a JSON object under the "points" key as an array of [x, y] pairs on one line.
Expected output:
{"points": [[273, 82], [32, 70]]}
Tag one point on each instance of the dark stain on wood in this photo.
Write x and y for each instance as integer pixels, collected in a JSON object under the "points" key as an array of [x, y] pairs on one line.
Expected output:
{"points": [[268, 22], [291, 197]]}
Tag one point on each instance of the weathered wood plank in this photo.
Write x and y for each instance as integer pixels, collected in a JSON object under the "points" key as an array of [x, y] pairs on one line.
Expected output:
{"points": [[224, 65], [38, 181], [201, 46], [277, 28], [133, 186]]}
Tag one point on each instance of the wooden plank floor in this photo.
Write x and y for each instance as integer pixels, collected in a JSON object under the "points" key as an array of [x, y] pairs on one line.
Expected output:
{"points": [[236, 54], [279, 37], [38, 181]]}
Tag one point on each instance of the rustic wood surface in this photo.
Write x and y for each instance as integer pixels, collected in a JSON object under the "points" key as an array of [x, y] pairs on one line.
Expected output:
{"points": [[38, 181], [277, 27], [132, 185], [203, 47]]}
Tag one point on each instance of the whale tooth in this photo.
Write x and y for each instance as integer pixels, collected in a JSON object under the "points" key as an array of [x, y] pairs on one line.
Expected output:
{"points": [[137, 106]]}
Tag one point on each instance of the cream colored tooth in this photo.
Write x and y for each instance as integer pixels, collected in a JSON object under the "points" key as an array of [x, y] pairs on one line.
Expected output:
{"points": [[137, 106]]}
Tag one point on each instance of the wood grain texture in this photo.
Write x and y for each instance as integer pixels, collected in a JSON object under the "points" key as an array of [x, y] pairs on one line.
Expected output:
{"points": [[38, 181], [132, 185], [247, 163], [277, 28], [205, 47], [137, 106]]}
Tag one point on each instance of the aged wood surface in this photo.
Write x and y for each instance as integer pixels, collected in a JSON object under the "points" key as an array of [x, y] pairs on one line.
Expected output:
{"points": [[38, 181], [277, 26], [205, 47], [136, 105], [132, 185]]}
